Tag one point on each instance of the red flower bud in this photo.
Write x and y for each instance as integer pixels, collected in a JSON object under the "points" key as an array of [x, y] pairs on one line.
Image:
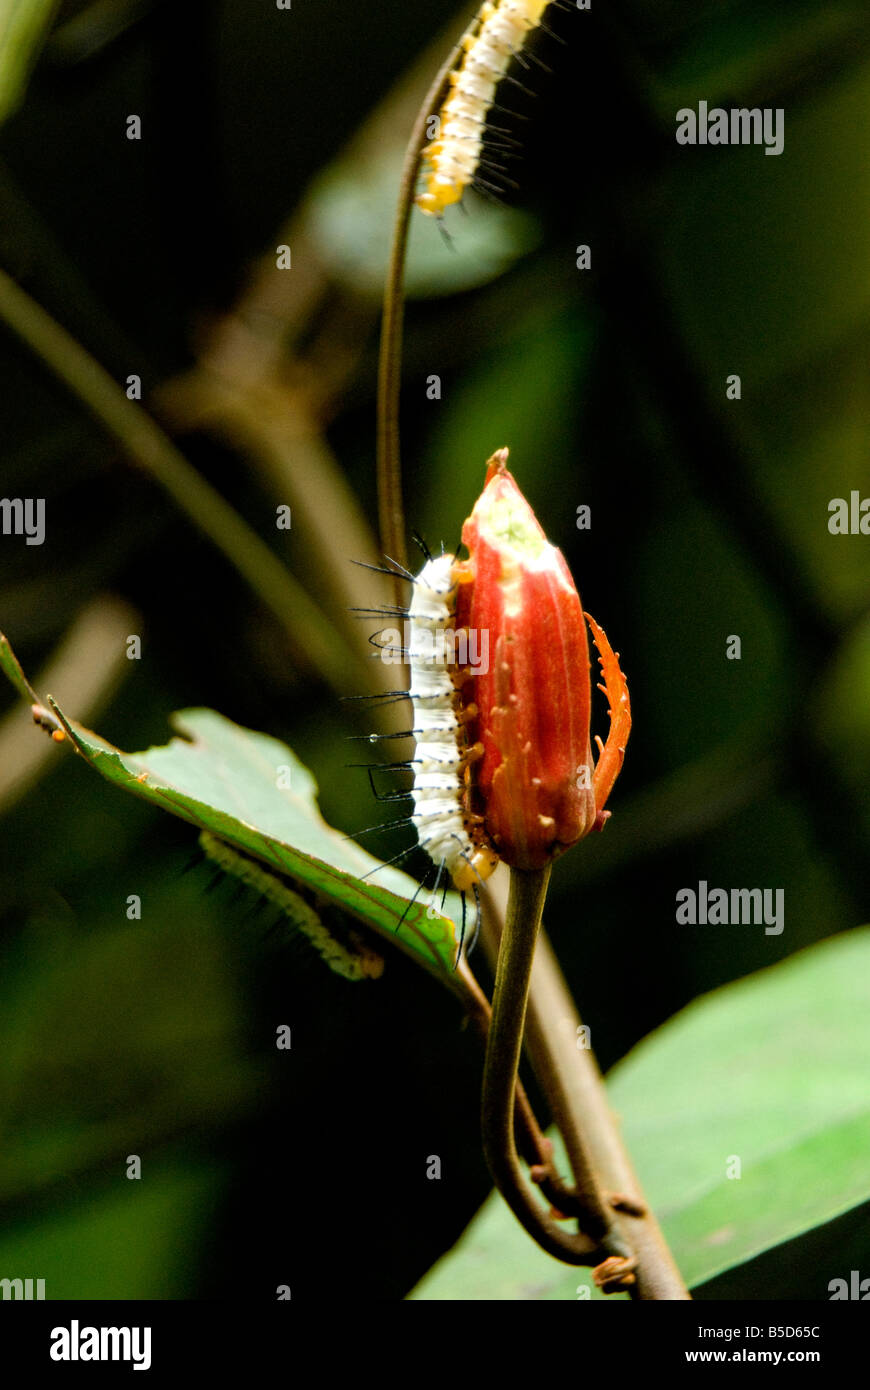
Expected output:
{"points": [[530, 711]]}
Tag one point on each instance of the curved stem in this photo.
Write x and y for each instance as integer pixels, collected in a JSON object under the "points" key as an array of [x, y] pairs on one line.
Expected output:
{"points": [[389, 468], [525, 905], [575, 1092], [533, 1145], [578, 1098]]}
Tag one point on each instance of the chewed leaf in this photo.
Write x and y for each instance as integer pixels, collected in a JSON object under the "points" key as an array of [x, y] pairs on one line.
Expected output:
{"points": [[252, 792]]}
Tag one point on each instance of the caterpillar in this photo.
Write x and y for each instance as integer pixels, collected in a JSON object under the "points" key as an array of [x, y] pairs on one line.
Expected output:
{"points": [[452, 160], [447, 829], [354, 962]]}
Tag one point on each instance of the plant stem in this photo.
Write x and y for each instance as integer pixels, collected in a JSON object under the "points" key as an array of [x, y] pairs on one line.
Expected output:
{"points": [[389, 468], [574, 1089], [578, 1098], [534, 1147], [525, 905]]}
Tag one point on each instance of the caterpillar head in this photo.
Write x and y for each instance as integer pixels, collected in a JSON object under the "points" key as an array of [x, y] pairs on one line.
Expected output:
{"points": [[440, 194], [470, 872]]}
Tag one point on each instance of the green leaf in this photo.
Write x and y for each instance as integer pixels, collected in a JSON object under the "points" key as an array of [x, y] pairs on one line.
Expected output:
{"points": [[11, 668], [250, 790], [772, 1071], [23, 25]]}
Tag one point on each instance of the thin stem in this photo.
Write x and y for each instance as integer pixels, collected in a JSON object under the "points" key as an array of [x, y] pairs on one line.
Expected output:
{"points": [[313, 643], [578, 1098], [534, 1147], [525, 904], [389, 468], [574, 1089]]}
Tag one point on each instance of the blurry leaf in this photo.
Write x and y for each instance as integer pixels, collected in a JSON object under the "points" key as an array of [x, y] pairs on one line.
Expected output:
{"points": [[842, 711], [150, 1024], [136, 1240], [233, 782], [687, 653], [801, 423], [349, 216], [23, 25], [772, 1071], [741, 51], [499, 401]]}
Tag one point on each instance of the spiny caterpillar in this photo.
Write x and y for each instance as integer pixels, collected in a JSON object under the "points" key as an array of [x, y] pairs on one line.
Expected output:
{"points": [[447, 831], [452, 160], [451, 834], [353, 962]]}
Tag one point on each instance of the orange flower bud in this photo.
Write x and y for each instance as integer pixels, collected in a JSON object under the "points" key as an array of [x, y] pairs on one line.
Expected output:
{"points": [[530, 710]]}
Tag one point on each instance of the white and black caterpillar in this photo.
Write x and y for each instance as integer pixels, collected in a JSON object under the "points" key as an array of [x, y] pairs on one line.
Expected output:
{"points": [[447, 829]]}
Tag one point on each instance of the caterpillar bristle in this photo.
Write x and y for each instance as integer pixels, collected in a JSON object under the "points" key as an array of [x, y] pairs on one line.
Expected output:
{"points": [[255, 908], [407, 766], [399, 570], [384, 611], [534, 59], [385, 825], [509, 111], [403, 854], [488, 191], [551, 33], [386, 697], [353, 963], [515, 82], [381, 738], [506, 135], [418, 890], [421, 545], [491, 167]]}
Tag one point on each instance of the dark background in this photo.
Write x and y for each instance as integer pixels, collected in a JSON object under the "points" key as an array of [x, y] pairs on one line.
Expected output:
{"points": [[709, 518]]}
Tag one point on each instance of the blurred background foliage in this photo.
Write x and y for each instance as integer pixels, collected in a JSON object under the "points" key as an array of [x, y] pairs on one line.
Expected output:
{"points": [[709, 518]]}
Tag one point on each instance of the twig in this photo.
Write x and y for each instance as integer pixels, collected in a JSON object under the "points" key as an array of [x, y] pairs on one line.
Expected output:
{"points": [[525, 904], [578, 1098], [573, 1087], [390, 509], [534, 1147]]}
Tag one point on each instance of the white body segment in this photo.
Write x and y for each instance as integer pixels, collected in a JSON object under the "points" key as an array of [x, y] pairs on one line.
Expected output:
{"points": [[438, 786], [453, 158]]}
